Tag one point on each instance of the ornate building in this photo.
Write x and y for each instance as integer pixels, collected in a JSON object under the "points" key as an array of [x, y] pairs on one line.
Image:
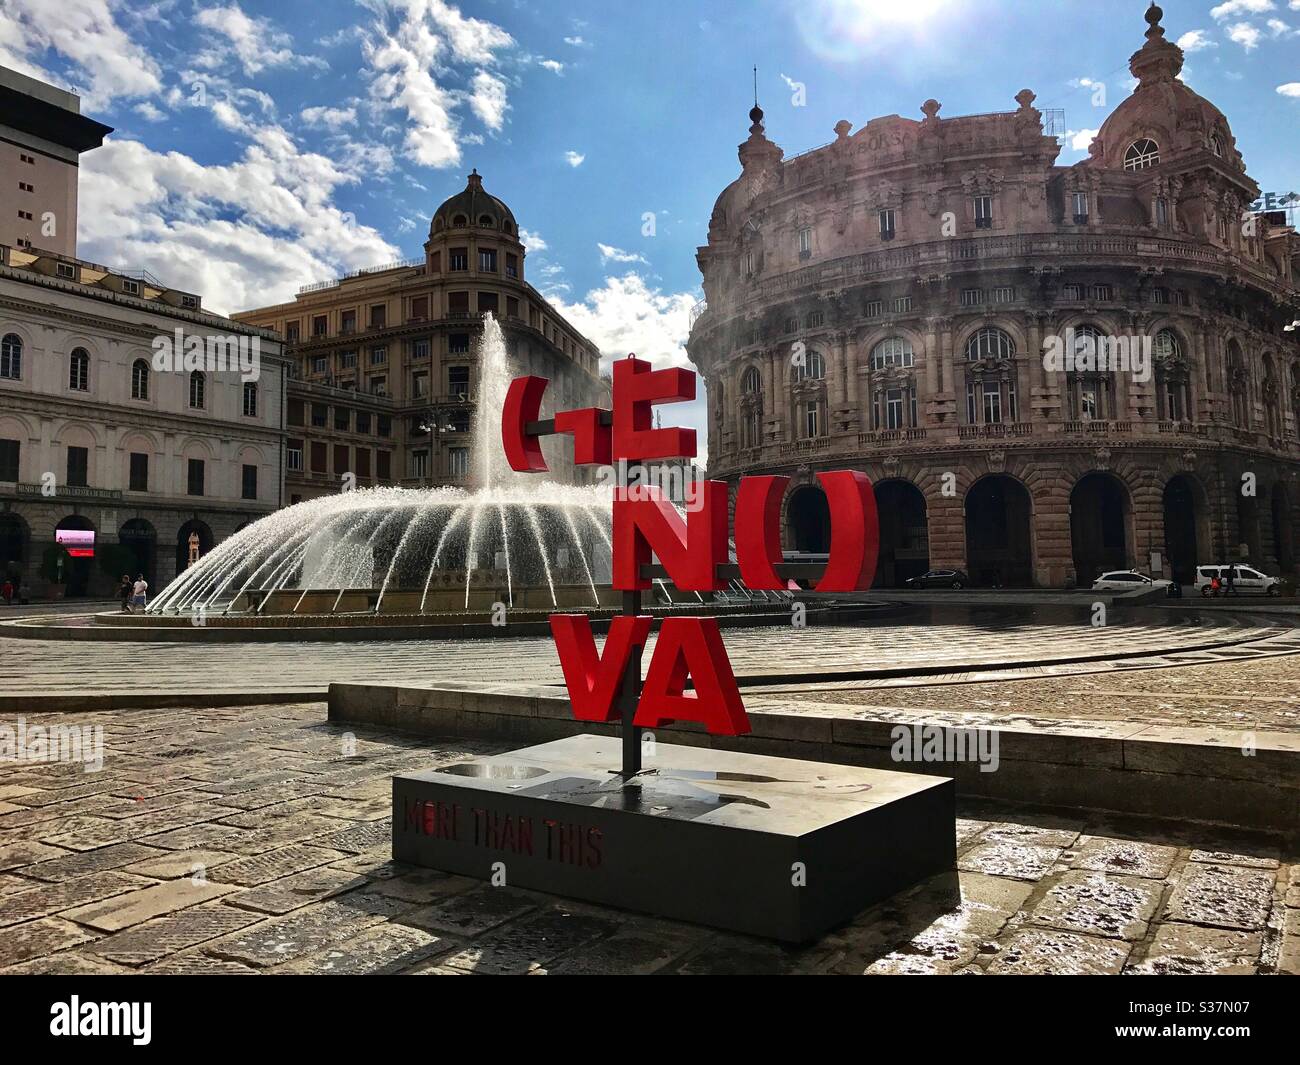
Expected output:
{"points": [[387, 372], [892, 302]]}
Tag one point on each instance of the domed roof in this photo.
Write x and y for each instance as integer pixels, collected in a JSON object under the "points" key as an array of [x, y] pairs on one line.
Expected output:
{"points": [[1162, 109], [473, 207]]}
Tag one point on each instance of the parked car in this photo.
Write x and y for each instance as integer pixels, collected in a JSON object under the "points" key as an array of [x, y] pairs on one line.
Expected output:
{"points": [[939, 578], [1245, 580], [1128, 580]]}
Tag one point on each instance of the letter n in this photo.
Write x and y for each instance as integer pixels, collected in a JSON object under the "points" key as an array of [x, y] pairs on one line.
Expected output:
{"points": [[594, 679], [691, 648], [645, 523]]}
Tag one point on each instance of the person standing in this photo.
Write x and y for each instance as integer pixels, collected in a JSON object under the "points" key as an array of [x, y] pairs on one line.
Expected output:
{"points": [[139, 592], [7, 591], [1232, 580], [125, 591]]}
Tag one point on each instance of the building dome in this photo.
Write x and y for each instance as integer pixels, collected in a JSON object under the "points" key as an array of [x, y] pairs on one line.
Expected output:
{"points": [[473, 207], [1163, 118]]}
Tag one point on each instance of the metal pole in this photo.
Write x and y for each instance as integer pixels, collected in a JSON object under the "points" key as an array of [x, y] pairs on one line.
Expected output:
{"points": [[629, 696]]}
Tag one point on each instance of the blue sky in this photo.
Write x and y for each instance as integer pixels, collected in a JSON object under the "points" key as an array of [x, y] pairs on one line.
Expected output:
{"points": [[261, 146]]}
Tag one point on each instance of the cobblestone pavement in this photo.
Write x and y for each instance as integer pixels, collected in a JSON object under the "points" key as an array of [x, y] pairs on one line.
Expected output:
{"points": [[1260, 694], [60, 667], [288, 826]]}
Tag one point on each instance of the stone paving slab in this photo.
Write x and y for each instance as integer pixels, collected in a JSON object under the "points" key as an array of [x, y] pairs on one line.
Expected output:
{"points": [[1033, 891]]}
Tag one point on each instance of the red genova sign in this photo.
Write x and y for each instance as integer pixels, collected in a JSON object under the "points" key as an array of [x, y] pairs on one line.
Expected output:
{"points": [[690, 549]]}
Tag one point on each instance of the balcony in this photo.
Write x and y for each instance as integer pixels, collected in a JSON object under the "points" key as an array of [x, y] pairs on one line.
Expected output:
{"points": [[1096, 427], [994, 431]]}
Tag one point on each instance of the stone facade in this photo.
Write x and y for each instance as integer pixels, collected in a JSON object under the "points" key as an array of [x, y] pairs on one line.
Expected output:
{"points": [[393, 350], [889, 302], [97, 434]]}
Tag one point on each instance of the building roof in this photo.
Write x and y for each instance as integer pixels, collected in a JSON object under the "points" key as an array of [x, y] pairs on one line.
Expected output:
{"points": [[474, 203]]}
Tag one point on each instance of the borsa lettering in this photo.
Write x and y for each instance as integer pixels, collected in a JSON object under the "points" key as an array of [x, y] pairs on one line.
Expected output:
{"points": [[691, 549]]}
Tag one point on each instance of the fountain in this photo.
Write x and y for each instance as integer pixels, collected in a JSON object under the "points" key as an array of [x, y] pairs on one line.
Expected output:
{"points": [[515, 538]]}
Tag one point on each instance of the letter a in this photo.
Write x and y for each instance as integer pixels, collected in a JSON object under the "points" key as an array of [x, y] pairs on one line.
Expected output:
{"points": [[594, 680], [691, 647]]}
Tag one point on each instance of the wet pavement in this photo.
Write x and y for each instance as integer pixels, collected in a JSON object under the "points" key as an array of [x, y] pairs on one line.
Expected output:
{"points": [[256, 839]]}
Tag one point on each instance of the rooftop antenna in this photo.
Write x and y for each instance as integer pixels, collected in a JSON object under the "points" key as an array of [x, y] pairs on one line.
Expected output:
{"points": [[755, 84]]}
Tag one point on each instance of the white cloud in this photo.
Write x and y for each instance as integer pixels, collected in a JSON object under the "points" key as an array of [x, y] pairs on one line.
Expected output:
{"points": [[411, 45], [149, 112], [256, 43], [488, 101], [574, 159], [1195, 41], [1245, 34], [1241, 7], [578, 42], [1081, 140], [1291, 88], [554, 66], [610, 254], [331, 118], [243, 234], [86, 33], [627, 315], [1279, 28], [532, 241]]}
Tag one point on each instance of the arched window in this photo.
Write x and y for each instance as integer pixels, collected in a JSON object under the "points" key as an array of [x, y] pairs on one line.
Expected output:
{"points": [[1238, 386], [507, 227], [751, 408], [1272, 395], [250, 399], [894, 351], [11, 357], [139, 379], [198, 390], [813, 367], [752, 382], [79, 370], [989, 344], [459, 221], [1216, 145], [485, 220], [1091, 382], [1142, 154]]}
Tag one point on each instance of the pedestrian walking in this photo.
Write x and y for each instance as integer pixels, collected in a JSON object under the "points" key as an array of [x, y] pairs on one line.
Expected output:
{"points": [[125, 591], [1232, 581], [7, 591]]}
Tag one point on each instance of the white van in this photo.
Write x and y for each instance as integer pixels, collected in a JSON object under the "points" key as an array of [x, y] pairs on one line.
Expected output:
{"points": [[1246, 580]]}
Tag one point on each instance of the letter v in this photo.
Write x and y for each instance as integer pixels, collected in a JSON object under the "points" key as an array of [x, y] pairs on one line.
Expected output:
{"points": [[594, 680]]}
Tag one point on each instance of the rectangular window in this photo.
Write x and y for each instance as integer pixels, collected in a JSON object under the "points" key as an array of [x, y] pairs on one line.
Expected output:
{"points": [[384, 425], [9, 460], [458, 381], [1004, 295], [815, 321], [458, 259], [749, 264], [487, 260], [903, 305], [1162, 212], [805, 243], [972, 416], [992, 405], [342, 419], [419, 308], [512, 265], [249, 485], [983, 212], [458, 462], [378, 356], [131, 288], [1159, 295], [1102, 293], [384, 465], [319, 456], [972, 297], [293, 456], [78, 463], [194, 478], [458, 304], [1071, 292], [363, 422], [886, 220], [319, 415], [319, 325], [320, 364], [291, 332], [419, 465], [812, 420], [420, 384], [342, 464], [139, 480], [875, 308], [487, 301], [67, 271], [458, 344], [435, 262], [348, 360], [420, 348], [379, 386], [1080, 208], [349, 322], [378, 316], [512, 307], [295, 414], [362, 462]]}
